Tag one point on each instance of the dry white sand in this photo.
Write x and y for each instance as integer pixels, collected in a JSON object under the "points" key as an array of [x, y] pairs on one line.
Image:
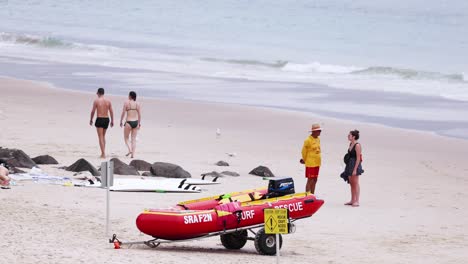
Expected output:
{"points": [[413, 201]]}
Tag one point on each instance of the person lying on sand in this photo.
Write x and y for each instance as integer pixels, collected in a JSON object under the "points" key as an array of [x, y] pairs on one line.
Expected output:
{"points": [[4, 178]]}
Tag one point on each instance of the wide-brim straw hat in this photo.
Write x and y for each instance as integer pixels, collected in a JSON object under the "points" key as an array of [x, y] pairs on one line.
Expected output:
{"points": [[315, 127]]}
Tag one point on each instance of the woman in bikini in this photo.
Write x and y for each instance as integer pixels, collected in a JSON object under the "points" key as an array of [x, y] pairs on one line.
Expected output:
{"points": [[133, 122], [353, 167]]}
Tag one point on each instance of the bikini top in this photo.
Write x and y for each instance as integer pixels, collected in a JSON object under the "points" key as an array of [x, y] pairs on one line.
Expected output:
{"points": [[132, 108]]}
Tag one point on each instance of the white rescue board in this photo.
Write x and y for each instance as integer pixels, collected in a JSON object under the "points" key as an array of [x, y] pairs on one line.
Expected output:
{"points": [[153, 185]]}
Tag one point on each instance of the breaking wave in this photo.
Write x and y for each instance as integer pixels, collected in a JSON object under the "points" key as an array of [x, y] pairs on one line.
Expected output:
{"points": [[50, 42], [275, 64], [411, 74], [320, 68], [46, 42], [407, 74]]}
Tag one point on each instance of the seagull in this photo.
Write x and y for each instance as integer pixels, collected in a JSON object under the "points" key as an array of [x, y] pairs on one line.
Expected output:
{"points": [[218, 132]]}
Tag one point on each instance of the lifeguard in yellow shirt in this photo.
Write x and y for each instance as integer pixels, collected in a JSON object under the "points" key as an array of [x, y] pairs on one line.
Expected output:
{"points": [[312, 157]]}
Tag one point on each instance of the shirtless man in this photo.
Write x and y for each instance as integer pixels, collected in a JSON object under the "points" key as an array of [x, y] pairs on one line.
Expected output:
{"points": [[103, 107], [4, 179]]}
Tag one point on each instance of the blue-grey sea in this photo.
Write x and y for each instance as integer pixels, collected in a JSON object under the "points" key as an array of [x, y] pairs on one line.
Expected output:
{"points": [[400, 63]]}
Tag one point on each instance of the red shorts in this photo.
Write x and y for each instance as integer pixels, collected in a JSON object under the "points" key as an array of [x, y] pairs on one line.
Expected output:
{"points": [[312, 172]]}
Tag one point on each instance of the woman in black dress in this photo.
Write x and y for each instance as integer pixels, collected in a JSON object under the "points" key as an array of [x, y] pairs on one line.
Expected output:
{"points": [[353, 167]]}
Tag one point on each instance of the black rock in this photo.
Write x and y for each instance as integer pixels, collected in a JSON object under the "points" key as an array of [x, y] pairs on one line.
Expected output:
{"points": [[262, 171], [230, 173], [222, 163], [83, 165], [212, 174], [16, 158], [45, 159], [140, 165], [123, 169], [169, 170], [16, 170]]}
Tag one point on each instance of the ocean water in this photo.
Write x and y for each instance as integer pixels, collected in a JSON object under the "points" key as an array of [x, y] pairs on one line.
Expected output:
{"points": [[397, 63]]}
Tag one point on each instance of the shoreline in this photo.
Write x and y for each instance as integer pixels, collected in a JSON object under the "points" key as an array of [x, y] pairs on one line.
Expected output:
{"points": [[338, 117]]}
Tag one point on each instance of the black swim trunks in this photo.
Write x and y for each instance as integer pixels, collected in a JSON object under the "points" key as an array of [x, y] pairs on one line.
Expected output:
{"points": [[102, 122], [133, 124]]}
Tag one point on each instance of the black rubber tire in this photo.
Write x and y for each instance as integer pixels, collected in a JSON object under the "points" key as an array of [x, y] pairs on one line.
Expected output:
{"points": [[266, 243], [234, 240]]}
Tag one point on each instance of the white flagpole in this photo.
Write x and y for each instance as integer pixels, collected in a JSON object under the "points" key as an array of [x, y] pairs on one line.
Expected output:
{"points": [[107, 198]]}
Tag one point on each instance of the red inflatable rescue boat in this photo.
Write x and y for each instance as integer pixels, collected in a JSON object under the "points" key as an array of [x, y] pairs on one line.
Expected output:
{"points": [[185, 224], [229, 215]]}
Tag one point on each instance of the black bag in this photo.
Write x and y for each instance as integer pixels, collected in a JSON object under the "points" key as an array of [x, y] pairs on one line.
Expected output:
{"points": [[346, 158]]}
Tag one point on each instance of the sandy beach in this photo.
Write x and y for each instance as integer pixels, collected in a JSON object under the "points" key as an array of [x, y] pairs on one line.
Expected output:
{"points": [[413, 191]]}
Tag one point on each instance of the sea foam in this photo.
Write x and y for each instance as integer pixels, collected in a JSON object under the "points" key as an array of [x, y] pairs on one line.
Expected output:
{"points": [[319, 67]]}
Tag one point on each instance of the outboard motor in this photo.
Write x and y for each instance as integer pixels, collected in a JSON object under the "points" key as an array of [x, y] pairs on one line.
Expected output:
{"points": [[280, 187]]}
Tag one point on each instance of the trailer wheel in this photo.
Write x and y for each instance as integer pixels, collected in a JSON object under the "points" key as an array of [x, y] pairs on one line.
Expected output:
{"points": [[266, 243], [234, 240]]}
